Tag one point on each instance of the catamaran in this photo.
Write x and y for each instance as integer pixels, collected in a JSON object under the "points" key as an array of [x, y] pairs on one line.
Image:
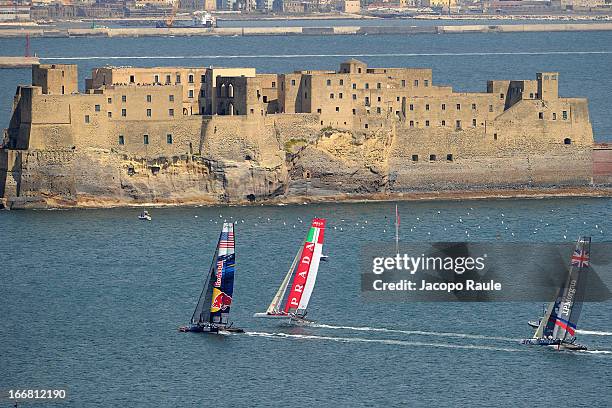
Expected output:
{"points": [[211, 314], [557, 328], [306, 266]]}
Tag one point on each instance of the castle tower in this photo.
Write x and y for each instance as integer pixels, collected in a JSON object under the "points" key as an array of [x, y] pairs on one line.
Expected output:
{"points": [[56, 79], [548, 85]]}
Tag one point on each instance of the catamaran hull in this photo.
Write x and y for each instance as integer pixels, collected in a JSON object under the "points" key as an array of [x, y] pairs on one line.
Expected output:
{"points": [[292, 319], [557, 345]]}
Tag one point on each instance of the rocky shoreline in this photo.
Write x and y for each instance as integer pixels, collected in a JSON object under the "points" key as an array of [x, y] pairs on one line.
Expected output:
{"points": [[91, 202]]}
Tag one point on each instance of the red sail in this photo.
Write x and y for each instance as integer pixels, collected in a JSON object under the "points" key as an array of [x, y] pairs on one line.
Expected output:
{"points": [[301, 275]]}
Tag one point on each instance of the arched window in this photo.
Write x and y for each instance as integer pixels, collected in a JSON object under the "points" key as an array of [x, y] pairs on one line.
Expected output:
{"points": [[230, 109], [223, 90], [230, 91], [190, 78], [567, 141]]}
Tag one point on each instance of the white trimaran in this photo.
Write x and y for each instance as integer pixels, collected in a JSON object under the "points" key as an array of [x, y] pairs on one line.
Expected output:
{"points": [[306, 266]]}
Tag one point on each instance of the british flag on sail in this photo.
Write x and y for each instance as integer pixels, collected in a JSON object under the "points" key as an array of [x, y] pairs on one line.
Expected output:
{"points": [[580, 258]]}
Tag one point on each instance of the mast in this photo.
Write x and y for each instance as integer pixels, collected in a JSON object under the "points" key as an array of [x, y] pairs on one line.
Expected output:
{"points": [[201, 313], [397, 223], [280, 294]]}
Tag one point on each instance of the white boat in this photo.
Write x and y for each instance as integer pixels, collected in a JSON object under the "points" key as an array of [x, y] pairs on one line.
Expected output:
{"points": [[304, 269], [557, 328], [203, 19], [145, 216]]}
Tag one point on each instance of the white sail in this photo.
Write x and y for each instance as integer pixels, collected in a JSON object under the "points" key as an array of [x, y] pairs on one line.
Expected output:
{"points": [[280, 294]]}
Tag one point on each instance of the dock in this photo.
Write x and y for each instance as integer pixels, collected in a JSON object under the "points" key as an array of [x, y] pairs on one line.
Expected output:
{"points": [[18, 62]]}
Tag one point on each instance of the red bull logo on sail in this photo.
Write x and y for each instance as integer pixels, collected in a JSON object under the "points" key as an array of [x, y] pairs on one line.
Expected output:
{"points": [[221, 301]]}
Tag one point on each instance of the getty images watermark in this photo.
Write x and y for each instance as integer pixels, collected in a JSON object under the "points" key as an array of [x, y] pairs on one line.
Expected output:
{"points": [[413, 264], [462, 271]]}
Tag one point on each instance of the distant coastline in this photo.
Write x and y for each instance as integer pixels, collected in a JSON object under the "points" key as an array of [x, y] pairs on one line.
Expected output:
{"points": [[288, 30]]}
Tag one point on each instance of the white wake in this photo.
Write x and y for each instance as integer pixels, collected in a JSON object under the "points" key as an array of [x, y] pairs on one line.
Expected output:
{"points": [[381, 341], [429, 54], [594, 333], [414, 332]]}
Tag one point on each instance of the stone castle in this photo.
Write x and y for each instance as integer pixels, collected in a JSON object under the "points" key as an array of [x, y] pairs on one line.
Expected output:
{"points": [[231, 135]]}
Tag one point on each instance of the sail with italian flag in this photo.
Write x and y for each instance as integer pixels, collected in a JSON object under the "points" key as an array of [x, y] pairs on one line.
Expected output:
{"points": [[304, 270]]}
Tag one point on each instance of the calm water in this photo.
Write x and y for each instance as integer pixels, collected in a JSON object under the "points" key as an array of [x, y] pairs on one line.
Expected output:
{"points": [[465, 61], [91, 300]]}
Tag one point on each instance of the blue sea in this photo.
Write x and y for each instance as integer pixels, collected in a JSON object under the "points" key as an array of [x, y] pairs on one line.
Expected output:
{"points": [[91, 299]]}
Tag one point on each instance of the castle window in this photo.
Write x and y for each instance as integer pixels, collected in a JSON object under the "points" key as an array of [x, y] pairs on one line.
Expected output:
{"points": [[252, 111], [331, 96], [149, 98], [319, 110], [378, 110], [341, 82], [366, 125], [359, 70], [109, 100], [86, 118], [97, 108], [397, 99], [203, 93], [123, 98], [169, 138], [337, 109], [170, 112], [178, 78], [567, 141], [531, 95], [329, 82], [132, 79], [171, 98], [412, 123], [564, 115], [416, 82], [109, 114], [273, 84], [203, 78], [494, 136], [123, 112], [473, 122], [378, 99], [473, 106], [190, 94], [148, 113], [367, 101], [415, 157], [411, 107], [340, 95], [426, 83], [265, 99], [293, 82], [156, 79], [458, 125], [490, 108], [145, 139], [354, 96], [449, 157], [427, 123], [443, 106], [354, 112], [426, 106], [367, 86], [354, 86], [432, 157], [190, 78], [443, 123], [554, 116], [501, 96], [540, 115], [230, 91], [378, 85], [458, 106], [403, 83], [121, 140], [168, 79]]}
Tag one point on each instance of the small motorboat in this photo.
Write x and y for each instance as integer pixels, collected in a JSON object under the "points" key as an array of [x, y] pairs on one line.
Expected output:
{"points": [[145, 216]]}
